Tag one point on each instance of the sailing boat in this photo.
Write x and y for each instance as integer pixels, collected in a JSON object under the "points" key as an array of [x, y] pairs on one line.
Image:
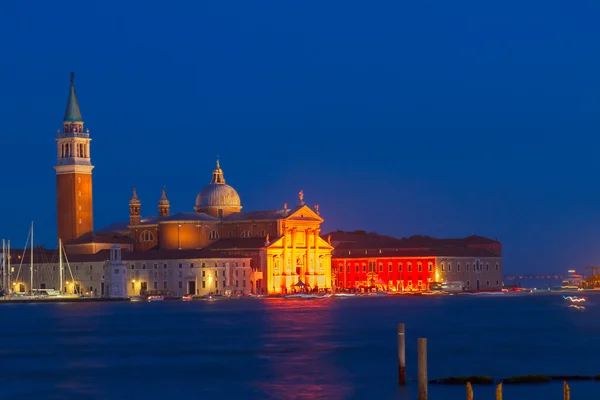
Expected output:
{"points": [[39, 294], [26, 295]]}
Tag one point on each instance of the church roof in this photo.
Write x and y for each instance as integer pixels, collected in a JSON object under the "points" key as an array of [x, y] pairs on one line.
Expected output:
{"points": [[72, 113], [188, 216], [239, 243], [259, 215]]}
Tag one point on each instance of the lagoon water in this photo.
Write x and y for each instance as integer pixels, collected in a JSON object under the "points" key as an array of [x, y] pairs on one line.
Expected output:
{"points": [[294, 349]]}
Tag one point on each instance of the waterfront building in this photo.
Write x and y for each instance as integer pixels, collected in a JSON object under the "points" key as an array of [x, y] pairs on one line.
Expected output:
{"points": [[196, 272], [281, 247], [368, 261]]}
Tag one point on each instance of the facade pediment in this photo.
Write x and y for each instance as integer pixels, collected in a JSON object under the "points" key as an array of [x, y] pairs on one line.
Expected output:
{"points": [[304, 213]]}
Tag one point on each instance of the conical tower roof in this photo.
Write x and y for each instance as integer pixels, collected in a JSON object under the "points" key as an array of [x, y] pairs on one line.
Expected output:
{"points": [[72, 113]]}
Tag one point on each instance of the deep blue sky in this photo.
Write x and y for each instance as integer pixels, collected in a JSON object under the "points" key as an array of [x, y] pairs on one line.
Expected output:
{"points": [[402, 117]]}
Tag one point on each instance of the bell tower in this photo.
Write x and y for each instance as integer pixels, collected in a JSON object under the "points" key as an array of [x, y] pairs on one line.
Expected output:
{"points": [[73, 174]]}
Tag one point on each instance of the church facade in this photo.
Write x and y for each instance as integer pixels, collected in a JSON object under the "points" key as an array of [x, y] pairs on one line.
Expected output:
{"points": [[283, 247]]}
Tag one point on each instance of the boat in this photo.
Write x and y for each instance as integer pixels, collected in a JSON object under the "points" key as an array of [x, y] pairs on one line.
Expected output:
{"points": [[187, 298], [571, 283], [156, 298], [135, 298]]}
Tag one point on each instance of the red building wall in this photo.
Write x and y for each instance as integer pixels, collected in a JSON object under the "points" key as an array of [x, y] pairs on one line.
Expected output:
{"points": [[389, 273]]}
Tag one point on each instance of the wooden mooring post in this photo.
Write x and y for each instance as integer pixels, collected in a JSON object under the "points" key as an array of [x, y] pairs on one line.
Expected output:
{"points": [[499, 391], [422, 353], [401, 355], [469, 391], [566, 391]]}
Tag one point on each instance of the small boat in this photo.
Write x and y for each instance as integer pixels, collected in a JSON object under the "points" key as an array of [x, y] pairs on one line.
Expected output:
{"points": [[187, 298], [155, 298], [135, 298], [345, 295]]}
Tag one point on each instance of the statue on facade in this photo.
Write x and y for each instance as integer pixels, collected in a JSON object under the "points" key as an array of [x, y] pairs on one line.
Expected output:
{"points": [[301, 197], [317, 208]]}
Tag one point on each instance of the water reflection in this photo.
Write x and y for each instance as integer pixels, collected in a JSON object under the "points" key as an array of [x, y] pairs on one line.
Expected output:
{"points": [[299, 346]]}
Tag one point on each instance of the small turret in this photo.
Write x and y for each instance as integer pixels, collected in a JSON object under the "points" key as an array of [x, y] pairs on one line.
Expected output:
{"points": [[134, 209], [163, 205]]}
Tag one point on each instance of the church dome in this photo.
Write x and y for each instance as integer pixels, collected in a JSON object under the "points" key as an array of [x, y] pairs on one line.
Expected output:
{"points": [[217, 194]]}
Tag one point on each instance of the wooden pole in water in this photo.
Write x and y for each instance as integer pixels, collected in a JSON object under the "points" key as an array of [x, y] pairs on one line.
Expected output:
{"points": [[422, 352], [566, 391], [469, 391], [499, 391], [401, 355]]}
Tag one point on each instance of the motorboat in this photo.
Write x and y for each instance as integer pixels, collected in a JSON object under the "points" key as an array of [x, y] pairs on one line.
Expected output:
{"points": [[156, 298], [187, 298]]}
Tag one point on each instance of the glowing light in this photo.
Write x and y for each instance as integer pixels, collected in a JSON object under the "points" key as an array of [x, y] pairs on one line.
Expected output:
{"points": [[574, 299]]}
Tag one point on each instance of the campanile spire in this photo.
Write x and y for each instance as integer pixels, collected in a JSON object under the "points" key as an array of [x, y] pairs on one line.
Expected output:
{"points": [[73, 173]]}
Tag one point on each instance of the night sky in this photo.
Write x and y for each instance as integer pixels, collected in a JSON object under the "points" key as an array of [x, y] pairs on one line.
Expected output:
{"points": [[401, 117]]}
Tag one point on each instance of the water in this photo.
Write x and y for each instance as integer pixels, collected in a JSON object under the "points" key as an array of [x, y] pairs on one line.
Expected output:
{"points": [[294, 349]]}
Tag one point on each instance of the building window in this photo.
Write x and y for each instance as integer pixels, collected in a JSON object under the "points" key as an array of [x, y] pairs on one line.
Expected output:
{"points": [[165, 284], [356, 268], [467, 267], [180, 274], [380, 267], [132, 266], [487, 283], [468, 283], [430, 267], [180, 284], [487, 267], [390, 267], [409, 267], [155, 285], [399, 267], [364, 267], [191, 265], [203, 284], [213, 235], [143, 266], [146, 236], [419, 267], [443, 267], [496, 270], [449, 267], [263, 233], [497, 283], [246, 234], [155, 266], [458, 267]]}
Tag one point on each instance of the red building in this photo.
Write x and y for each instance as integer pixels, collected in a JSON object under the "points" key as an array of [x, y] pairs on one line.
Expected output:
{"points": [[371, 261]]}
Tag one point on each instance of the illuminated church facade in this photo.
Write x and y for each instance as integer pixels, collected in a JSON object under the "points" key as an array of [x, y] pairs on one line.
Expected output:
{"points": [[284, 247]]}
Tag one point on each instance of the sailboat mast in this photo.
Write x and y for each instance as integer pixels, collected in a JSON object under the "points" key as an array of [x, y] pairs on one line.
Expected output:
{"points": [[31, 261], [8, 266], [3, 264], [60, 265]]}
